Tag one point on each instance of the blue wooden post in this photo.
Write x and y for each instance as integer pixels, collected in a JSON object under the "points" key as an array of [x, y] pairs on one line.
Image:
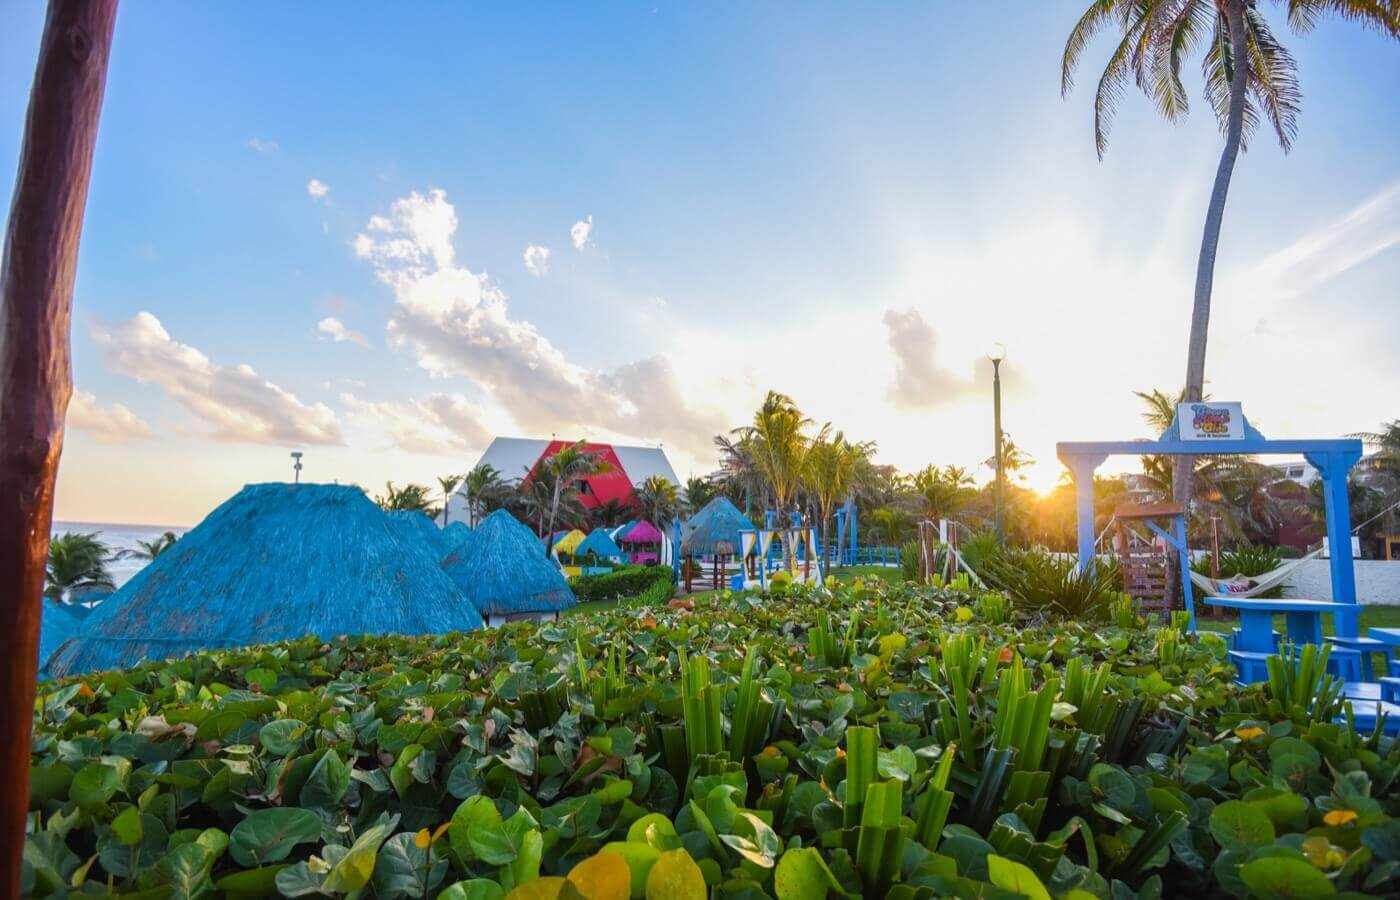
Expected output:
{"points": [[854, 516], [676, 550], [1184, 555], [1334, 468], [1082, 468]]}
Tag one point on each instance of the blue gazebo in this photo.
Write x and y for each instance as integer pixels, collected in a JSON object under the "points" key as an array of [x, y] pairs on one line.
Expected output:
{"points": [[1209, 429]]}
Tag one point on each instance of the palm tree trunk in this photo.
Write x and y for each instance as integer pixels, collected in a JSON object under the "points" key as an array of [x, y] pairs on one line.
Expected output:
{"points": [[553, 506], [1210, 238]]}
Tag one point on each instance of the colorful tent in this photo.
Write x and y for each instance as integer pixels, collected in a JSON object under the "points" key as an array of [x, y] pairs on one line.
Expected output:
{"points": [[414, 526], [569, 542], [715, 529], [641, 533], [274, 562], [601, 545], [503, 570]]}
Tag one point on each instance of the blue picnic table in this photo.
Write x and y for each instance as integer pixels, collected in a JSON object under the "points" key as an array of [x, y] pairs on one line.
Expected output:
{"points": [[1304, 618]]}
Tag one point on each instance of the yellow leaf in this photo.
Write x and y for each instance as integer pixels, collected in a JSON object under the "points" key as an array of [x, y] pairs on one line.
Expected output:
{"points": [[1248, 734], [423, 839], [441, 830], [603, 876], [675, 876], [1339, 817]]}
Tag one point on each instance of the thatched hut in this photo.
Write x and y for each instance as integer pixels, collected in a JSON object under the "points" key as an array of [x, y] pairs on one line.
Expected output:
{"points": [[600, 544], [642, 542], [455, 534], [57, 624], [274, 562], [569, 542], [414, 526], [503, 571], [713, 532]]}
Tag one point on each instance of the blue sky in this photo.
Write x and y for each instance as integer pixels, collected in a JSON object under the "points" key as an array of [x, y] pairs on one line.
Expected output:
{"points": [[771, 192]]}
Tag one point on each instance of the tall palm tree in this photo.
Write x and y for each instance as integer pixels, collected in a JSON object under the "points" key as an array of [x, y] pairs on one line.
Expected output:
{"points": [[1013, 458], [940, 493], [480, 485], [410, 496], [659, 501], [566, 470], [698, 492], [831, 470], [151, 549], [1247, 71], [741, 478], [76, 561], [448, 483], [780, 446]]}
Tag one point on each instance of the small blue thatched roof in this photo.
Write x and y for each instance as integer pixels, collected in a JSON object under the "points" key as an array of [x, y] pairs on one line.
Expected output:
{"points": [[414, 526], [503, 570], [455, 533], [274, 562], [56, 625], [714, 529], [600, 544]]}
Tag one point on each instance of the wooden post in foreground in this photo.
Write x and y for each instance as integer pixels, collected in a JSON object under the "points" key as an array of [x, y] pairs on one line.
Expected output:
{"points": [[36, 296]]}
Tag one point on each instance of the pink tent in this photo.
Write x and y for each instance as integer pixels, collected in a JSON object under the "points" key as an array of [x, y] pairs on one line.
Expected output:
{"points": [[642, 533]]}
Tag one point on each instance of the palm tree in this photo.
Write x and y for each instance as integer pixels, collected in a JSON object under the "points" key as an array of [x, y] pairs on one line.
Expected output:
{"points": [[659, 501], [831, 469], [887, 525], [1013, 458], [698, 492], [566, 470], [740, 476], [76, 561], [1246, 71], [941, 492], [780, 446], [448, 483], [151, 549], [410, 496], [480, 486]]}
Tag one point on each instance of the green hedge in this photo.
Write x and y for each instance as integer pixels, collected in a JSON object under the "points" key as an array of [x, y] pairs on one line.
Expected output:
{"points": [[629, 581]]}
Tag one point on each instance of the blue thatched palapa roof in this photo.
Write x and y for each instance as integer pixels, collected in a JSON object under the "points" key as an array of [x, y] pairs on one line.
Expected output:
{"points": [[600, 544], [714, 529], [56, 625], [412, 525], [503, 570], [274, 562]]}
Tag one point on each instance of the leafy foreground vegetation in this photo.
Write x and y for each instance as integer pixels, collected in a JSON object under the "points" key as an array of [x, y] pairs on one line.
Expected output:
{"points": [[878, 740]]}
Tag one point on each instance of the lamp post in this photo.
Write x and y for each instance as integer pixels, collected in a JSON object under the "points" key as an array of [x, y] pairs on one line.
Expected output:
{"points": [[996, 355], [296, 467]]}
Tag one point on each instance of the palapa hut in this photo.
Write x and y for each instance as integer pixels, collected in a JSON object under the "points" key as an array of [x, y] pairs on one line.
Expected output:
{"points": [[713, 532], [57, 624], [642, 541], [569, 542], [413, 525], [274, 562], [455, 535], [600, 544], [503, 571]]}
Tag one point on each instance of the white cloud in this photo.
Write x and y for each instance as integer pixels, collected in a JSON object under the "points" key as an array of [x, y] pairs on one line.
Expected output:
{"points": [[918, 383], [258, 145], [457, 323], [115, 424], [1324, 253], [317, 189], [235, 402], [537, 260], [440, 425], [335, 329], [581, 231]]}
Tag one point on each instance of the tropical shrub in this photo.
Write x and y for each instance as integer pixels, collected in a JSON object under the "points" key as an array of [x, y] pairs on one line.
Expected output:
{"points": [[628, 581], [1053, 585], [910, 561], [875, 741]]}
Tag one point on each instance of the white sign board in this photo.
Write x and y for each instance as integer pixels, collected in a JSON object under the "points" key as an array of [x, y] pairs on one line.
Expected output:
{"points": [[1209, 421]]}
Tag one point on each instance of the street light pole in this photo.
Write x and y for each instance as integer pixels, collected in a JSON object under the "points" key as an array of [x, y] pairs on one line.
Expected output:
{"points": [[996, 356]]}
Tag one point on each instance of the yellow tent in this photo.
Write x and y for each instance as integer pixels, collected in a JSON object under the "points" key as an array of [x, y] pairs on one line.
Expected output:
{"points": [[569, 542]]}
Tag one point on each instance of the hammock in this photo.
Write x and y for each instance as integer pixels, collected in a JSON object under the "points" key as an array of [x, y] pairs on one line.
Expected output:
{"points": [[1250, 585]]}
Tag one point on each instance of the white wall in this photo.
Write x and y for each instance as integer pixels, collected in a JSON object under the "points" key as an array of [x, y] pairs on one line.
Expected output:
{"points": [[1377, 581]]}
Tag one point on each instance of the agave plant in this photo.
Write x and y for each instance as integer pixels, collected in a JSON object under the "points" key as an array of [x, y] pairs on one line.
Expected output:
{"points": [[1049, 585]]}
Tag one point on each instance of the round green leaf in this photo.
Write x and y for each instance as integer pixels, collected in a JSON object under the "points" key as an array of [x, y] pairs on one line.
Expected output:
{"points": [[676, 877], [1237, 824], [1280, 876], [802, 874], [268, 835]]}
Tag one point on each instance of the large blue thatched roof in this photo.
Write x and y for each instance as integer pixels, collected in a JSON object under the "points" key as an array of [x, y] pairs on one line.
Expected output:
{"points": [[274, 562], [455, 533], [56, 625], [714, 529], [412, 525], [600, 544], [503, 570]]}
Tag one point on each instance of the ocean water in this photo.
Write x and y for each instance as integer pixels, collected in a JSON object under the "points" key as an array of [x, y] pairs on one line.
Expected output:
{"points": [[119, 537]]}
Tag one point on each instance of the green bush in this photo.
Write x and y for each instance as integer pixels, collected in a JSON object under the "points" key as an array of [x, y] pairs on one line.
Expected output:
{"points": [[909, 560], [628, 581], [1052, 585]]}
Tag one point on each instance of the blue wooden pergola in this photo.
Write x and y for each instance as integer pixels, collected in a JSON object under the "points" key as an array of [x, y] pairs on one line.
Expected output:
{"points": [[1332, 457]]}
